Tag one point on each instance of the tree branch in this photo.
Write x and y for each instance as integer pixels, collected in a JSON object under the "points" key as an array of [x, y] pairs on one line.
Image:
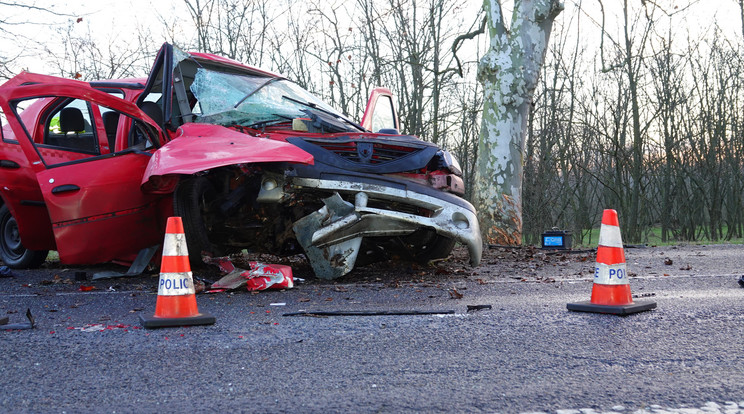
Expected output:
{"points": [[467, 36]]}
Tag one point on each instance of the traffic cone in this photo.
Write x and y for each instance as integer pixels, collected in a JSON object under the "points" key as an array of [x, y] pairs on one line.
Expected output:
{"points": [[611, 290], [176, 304]]}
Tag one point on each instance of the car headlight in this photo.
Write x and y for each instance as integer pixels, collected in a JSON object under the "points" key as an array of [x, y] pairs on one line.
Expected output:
{"points": [[450, 162]]}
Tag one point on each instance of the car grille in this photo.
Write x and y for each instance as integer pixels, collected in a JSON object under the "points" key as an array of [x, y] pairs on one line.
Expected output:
{"points": [[365, 152]]}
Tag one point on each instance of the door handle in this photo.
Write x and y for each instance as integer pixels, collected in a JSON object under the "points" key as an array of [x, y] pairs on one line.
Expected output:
{"points": [[65, 188], [9, 164]]}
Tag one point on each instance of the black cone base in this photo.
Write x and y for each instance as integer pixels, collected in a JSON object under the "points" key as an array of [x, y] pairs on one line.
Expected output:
{"points": [[156, 322], [621, 310]]}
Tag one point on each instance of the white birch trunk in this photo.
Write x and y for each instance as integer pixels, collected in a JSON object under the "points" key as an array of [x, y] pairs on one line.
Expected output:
{"points": [[509, 72]]}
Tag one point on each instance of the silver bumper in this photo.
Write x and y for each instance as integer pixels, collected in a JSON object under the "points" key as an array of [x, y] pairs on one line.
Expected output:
{"points": [[332, 235]]}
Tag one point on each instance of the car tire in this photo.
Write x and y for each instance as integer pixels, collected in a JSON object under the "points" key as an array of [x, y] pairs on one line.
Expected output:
{"points": [[12, 252], [192, 202]]}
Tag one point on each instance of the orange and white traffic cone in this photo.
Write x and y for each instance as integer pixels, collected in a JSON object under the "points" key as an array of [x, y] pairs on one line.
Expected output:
{"points": [[611, 290], [176, 304]]}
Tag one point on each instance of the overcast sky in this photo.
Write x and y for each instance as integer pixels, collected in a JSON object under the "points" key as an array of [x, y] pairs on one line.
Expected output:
{"points": [[118, 18]]}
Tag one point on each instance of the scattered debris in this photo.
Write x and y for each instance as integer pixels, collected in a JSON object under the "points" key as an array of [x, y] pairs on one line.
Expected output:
{"points": [[84, 288], [223, 263], [370, 313], [141, 262], [688, 267], [18, 326], [264, 276], [643, 295], [668, 261], [57, 279], [741, 281], [454, 294], [278, 304], [199, 286], [99, 327], [472, 308], [261, 276], [232, 280]]}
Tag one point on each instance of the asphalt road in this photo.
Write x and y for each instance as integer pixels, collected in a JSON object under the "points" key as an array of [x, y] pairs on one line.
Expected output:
{"points": [[88, 352]]}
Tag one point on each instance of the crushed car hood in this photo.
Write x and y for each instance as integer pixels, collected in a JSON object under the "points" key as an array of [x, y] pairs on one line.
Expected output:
{"points": [[201, 147]]}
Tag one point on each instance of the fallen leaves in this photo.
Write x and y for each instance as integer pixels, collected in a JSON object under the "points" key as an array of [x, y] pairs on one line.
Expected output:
{"points": [[56, 280], [454, 294]]}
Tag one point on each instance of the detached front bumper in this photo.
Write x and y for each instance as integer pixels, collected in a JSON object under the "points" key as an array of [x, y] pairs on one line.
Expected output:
{"points": [[332, 235]]}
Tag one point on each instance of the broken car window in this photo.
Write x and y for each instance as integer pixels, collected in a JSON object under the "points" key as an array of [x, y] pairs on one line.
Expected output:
{"points": [[247, 100], [179, 55]]}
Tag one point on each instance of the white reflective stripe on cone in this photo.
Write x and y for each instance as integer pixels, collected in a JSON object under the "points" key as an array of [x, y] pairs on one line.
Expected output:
{"points": [[615, 274], [176, 284], [175, 245], [610, 236]]}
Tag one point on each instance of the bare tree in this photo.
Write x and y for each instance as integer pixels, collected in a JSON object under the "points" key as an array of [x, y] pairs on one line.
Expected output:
{"points": [[16, 16], [78, 56]]}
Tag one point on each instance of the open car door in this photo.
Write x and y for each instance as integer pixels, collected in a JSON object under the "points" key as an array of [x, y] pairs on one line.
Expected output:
{"points": [[91, 190], [380, 115]]}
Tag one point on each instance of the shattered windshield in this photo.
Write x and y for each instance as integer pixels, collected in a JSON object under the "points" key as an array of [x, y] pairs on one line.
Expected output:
{"points": [[248, 100]]}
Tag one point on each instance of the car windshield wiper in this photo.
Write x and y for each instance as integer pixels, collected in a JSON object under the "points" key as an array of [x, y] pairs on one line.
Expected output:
{"points": [[260, 124], [272, 80], [325, 111]]}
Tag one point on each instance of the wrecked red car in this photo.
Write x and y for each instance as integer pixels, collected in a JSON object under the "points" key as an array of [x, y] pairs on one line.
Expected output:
{"points": [[249, 159]]}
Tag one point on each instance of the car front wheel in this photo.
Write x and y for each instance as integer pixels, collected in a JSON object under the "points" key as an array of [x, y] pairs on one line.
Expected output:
{"points": [[12, 252], [194, 202]]}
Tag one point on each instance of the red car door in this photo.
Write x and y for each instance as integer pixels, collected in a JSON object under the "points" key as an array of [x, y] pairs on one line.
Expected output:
{"points": [[98, 211]]}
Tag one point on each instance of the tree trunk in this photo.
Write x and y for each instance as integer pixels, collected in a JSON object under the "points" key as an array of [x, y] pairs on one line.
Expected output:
{"points": [[509, 72]]}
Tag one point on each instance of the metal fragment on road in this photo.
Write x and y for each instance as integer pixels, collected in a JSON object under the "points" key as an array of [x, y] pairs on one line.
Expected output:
{"points": [[22, 325], [472, 308], [370, 313], [138, 266]]}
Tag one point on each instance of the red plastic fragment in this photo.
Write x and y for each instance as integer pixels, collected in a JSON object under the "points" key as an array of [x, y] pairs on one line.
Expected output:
{"points": [[268, 276]]}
